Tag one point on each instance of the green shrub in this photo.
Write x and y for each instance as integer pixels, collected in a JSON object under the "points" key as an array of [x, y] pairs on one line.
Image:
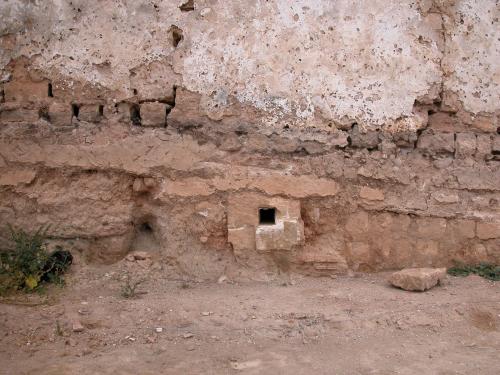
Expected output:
{"points": [[129, 287], [488, 271], [28, 264]]}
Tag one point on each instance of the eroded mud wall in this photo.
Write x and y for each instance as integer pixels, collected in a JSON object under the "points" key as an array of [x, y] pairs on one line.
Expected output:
{"points": [[370, 127]]}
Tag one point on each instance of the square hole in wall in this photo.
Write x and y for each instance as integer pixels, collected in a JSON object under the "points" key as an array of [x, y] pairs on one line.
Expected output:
{"points": [[267, 216]]}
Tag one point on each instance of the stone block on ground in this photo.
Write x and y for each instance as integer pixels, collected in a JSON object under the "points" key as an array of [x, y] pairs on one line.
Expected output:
{"points": [[417, 279]]}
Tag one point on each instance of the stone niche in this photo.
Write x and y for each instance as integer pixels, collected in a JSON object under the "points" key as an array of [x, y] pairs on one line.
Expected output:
{"points": [[262, 223]]}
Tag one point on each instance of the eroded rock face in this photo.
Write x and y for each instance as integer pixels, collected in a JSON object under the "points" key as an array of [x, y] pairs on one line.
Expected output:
{"points": [[372, 134], [418, 279]]}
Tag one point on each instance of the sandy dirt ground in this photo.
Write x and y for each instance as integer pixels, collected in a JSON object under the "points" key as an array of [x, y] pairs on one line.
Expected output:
{"points": [[347, 325]]}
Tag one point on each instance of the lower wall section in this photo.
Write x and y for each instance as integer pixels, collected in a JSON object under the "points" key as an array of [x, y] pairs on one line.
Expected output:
{"points": [[203, 212]]}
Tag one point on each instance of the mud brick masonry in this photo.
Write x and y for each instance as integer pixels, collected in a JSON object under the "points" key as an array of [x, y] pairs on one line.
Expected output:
{"points": [[324, 135]]}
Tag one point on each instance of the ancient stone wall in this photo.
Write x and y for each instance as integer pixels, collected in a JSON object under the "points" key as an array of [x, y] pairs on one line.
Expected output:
{"points": [[250, 137]]}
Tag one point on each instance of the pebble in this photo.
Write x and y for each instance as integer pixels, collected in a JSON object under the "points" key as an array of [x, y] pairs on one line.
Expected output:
{"points": [[141, 255], [187, 335], [205, 11], [78, 327]]}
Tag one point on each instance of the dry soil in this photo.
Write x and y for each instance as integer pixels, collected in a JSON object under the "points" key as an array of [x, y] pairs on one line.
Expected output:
{"points": [[348, 325]]}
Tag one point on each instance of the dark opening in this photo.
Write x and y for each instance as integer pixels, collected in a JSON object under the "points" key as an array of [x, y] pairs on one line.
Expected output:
{"points": [[168, 109], [101, 110], [2, 96], [177, 35], [174, 94], [43, 112], [267, 216], [170, 104], [135, 114], [146, 228], [75, 109], [240, 131], [187, 6], [49, 91]]}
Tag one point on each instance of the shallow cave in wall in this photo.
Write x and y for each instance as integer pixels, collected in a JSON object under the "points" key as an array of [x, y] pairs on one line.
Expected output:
{"points": [[145, 237]]}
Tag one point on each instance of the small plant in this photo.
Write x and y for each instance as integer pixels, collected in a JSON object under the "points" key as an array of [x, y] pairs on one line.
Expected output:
{"points": [[488, 271], [129, 287], [29, 264], [59, 330]]}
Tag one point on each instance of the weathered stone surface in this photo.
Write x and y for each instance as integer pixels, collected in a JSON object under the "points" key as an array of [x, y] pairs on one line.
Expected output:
{"points": [[357, 223], [436, 142], [371, 194], [483, 145], [90, 113], [465, 144], [242, 238], [387, 161], [16, 177], [325, 254], [139, 186], [433, 228], [487, 230], [495, 147], [14, 113], [153, 114], [245, 231], [284, 235], [360, 254], [270, 183], [59, 114], [445, 197], [369, 139], [444, 122], [464, 228], [418, 279], [25, 88]]}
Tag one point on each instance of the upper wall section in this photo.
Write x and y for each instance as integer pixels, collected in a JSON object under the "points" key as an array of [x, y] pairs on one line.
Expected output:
{"points": [[305, 62]]}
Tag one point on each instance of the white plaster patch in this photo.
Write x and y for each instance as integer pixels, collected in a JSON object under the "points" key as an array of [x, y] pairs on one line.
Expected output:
{"points": [[360, 59], [472, 60], [307, 60]]}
